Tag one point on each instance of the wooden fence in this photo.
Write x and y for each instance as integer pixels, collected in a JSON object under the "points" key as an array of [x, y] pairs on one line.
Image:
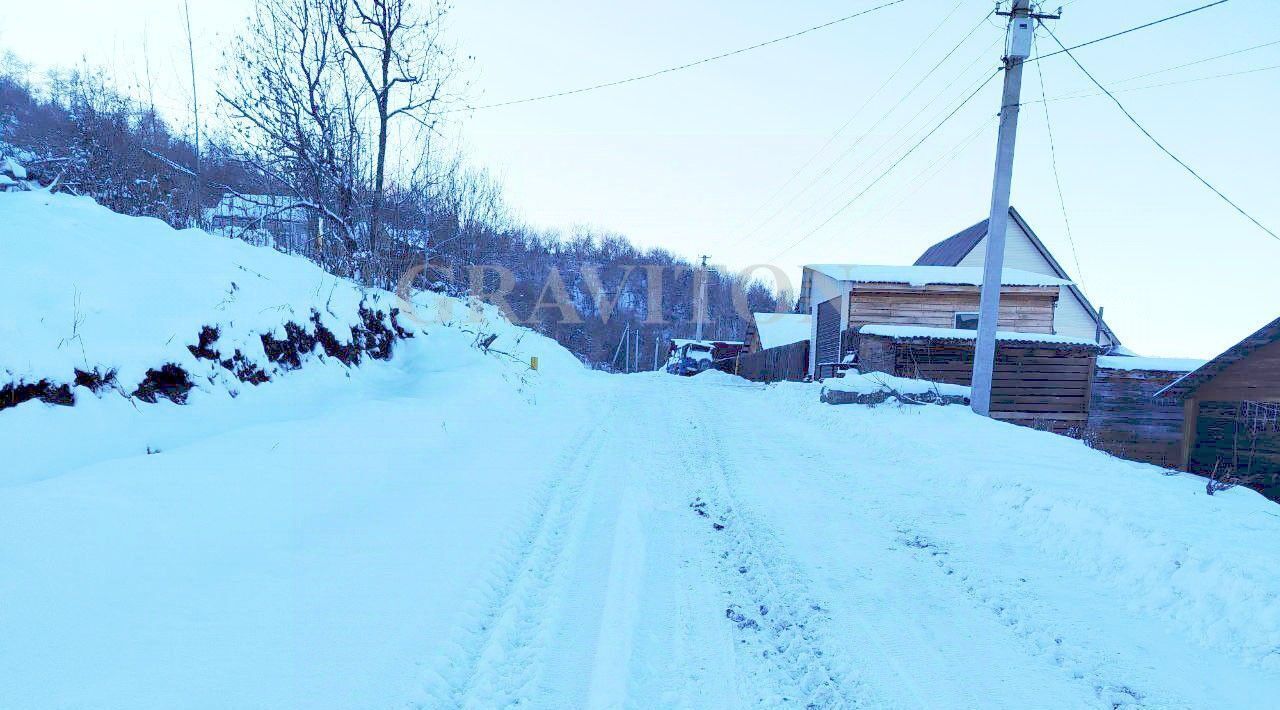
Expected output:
{"points": [[1045, 386], [785, 362], [1126, 419]]}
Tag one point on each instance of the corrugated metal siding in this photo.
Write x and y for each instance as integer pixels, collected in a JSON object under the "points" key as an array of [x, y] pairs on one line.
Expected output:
{"points": [[828, 345]]}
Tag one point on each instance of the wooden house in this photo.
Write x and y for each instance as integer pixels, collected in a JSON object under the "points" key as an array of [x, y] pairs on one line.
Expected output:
{"points": [[842, 298], [1127, 419], [1041, 380], [1231, 412], [1024, 250]]}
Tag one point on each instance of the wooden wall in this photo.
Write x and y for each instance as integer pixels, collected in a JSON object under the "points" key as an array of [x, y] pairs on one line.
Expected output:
{"points": [[1222, 434], [1127, 420], [1024, 309], [786, 362], [1219, 431], [1253, 378], [1041, 386]]}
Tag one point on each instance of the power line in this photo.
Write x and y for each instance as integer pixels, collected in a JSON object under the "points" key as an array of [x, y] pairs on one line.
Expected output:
{"points": [[858, 141], [932, 170], [1153, 139], [1057, 179], [831, 139], [688, 65], [1200, 61], [1070, 97], [888, 170], [867, 168], [1144, 26]]}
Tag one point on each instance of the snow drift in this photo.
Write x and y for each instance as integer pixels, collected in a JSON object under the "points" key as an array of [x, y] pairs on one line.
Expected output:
{"points": [[103, 301]]}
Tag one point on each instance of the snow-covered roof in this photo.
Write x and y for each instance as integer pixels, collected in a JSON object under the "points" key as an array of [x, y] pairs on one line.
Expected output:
{"points": [[930, 275], [1158, 364], [916, 331], [677, 342], [778, 329]]}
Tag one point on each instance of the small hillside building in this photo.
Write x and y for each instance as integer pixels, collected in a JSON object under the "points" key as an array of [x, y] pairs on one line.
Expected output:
{"points": [[842, 298], [250, 216], [1024, 251], [1231, 412]]}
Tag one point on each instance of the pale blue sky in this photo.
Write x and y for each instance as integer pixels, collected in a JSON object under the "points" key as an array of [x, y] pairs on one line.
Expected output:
{"points": [[693, 161]]}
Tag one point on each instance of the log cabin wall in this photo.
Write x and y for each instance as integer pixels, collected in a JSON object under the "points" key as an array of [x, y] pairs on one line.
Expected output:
{"points": [[1127, 420]]}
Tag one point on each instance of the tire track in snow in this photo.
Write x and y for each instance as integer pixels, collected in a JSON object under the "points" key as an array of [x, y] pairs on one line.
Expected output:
{"points": [[782, 627], [498, 660]]}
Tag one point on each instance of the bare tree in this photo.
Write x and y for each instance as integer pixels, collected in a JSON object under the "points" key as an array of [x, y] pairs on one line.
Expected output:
{"points": [[399, 56], [297, 112]]}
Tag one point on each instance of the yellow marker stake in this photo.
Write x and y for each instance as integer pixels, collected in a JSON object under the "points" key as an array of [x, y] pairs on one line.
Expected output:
{"points": [[533, 362]]}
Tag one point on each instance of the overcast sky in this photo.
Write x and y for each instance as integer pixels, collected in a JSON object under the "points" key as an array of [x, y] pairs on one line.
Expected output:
{"points": [[698, 161]]}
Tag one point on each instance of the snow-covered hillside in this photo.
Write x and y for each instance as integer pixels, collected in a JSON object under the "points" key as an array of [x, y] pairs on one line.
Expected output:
{"points": [[121, 297], [448, 528]]}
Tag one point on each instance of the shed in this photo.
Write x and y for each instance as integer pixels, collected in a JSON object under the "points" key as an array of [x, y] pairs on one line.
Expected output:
{"points": [[1231, 411], [844, 297], [1127, 419], [1041, 380]]}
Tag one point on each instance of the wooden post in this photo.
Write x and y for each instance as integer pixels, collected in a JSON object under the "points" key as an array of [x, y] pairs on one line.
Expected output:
{"points": [[1190, 415]]}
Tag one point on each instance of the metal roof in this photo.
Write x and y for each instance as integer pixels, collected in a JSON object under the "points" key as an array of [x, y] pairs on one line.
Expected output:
{"points": [[952, 250]]}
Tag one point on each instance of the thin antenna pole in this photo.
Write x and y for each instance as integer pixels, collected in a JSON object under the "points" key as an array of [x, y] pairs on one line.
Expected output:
{"points": [[195, 107]]}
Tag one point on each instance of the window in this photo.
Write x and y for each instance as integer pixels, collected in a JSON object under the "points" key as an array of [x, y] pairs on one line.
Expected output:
{"points": [[967, 321]]}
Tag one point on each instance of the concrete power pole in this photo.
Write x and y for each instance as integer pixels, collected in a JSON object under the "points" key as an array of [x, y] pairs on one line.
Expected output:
{"points": [[701, 306], [1017, 49]]}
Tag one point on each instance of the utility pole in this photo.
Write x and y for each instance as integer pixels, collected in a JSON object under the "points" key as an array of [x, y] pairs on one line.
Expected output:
{"points": [[1017, 49], [701, 306], [621, 344]]}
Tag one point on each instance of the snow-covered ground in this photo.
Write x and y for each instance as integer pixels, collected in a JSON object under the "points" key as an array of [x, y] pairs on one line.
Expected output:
{"points": [[461, 537], [452, 529]]}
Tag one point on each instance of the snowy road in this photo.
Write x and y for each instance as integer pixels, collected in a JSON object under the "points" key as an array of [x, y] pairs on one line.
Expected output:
{"points": [[702, 550], [629, 541]]}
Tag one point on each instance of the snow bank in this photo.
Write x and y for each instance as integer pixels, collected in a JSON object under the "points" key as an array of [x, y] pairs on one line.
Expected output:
{"points": [[102, 293], [876, 387], [721, 378]]}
